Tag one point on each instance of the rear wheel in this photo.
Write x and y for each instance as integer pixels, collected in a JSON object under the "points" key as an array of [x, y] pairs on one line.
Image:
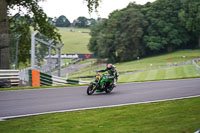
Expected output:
{"points": [[109, 88], [91, 88]]}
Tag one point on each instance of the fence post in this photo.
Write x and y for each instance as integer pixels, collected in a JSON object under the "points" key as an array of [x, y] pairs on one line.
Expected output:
{"points": [[50, 49], [33, 49], [16, 54], [59, 59]]}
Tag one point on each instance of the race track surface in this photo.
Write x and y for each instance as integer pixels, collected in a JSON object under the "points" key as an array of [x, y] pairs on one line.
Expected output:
{"points": [[39, 101]]}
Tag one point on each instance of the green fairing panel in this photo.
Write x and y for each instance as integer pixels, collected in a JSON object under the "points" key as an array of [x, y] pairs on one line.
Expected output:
{"points": [[105, 80], [95, 83]]}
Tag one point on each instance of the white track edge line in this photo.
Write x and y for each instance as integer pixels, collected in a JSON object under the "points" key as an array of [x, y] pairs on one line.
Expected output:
{"points": [[98, 107]]}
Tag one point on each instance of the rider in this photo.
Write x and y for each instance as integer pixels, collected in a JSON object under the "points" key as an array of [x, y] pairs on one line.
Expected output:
{"points": [[112, 71]]}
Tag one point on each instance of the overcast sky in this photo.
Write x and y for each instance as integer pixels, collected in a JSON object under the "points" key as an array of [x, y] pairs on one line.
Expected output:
{"points": [[72, 9]]}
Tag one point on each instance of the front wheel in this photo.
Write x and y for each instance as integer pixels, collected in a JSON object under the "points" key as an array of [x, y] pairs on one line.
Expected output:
{"points": [[91, 88]]}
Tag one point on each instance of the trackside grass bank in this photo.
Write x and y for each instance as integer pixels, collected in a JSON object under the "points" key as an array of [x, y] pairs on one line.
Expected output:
{"points": [[178, 72], [179, 116], [75, 40], [144, 63]]}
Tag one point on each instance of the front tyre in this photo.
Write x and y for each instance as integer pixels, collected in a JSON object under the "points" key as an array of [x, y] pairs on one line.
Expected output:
{"points": [[91, 89]]}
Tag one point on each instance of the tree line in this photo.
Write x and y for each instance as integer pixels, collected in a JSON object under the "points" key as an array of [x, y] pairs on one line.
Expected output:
{"points": [[80, 22], [143, 30]]}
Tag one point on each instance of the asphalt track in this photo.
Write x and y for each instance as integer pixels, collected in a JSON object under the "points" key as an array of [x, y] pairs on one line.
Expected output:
{"points": [[21, 103]]}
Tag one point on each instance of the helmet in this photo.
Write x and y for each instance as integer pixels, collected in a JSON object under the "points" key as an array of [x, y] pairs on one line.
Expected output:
{"points": [[109, 66]]}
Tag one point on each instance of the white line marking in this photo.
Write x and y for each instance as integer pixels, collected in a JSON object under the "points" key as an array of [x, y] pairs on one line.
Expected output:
{"points": [[108, 106]]}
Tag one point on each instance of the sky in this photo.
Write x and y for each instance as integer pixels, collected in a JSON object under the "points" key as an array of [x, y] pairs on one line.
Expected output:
{"points": [[73, 9]]}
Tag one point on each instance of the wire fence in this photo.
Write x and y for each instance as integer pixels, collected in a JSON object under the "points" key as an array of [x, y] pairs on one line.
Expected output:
{"points": [[9, 44], [45, 56], [45, 53]]}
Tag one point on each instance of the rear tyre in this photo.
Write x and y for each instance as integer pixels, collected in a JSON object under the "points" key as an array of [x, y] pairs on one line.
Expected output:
{"points": [[109, 88], [91, 88]]}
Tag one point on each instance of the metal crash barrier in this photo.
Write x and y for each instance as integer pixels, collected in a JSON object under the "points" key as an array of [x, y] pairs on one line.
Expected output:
{"points": [[37, 78], [9, 78]]}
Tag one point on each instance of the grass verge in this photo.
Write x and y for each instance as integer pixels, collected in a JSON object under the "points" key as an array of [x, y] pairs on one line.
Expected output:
{"points": [[166, 117], [75, 42], [179, 72], [144, 63]]}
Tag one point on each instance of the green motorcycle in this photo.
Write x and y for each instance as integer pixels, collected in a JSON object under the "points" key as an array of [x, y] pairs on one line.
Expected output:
{"points": [[102, 83]]}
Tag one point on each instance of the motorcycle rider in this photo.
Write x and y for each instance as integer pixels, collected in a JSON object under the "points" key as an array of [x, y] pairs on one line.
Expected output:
{"points": [[112, 72]]}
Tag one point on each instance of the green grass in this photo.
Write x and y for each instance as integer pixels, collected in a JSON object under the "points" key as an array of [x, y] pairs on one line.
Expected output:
{"points": [[86, 61], [179, 116], [66, 60], [75, 42], [179, 72], [144, 63], [161, 60], [198, 63]]}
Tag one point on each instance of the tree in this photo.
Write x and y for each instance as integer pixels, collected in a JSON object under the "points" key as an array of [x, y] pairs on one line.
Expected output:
{"points": [[91, 22], [39, 22], [81, 22], [120, 37], [4, 48], [131, 34], [92, 5], [62, 21], [164, 31], [190, 17], [97, 33]]}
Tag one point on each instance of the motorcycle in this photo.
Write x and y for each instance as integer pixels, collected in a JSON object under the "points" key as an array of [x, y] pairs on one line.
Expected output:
{"points": [[102, 83]]}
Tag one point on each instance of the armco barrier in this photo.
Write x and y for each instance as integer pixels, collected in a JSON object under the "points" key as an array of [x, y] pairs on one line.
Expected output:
{"points": [[196, 65], [37, 79], [12, 75]]}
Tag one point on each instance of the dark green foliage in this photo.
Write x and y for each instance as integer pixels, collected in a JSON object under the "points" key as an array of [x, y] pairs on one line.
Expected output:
{"points": [[36, 18], [190, 18], [139, 30], [20, 26], [80, 22], [92, 4], [164, 30], [83, 22], [120, 37], [91, 22], [62, 21]]}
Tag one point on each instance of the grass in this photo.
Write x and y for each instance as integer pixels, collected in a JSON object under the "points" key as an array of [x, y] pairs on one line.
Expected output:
{"points": [[179, 116], [198, 63], [157, 61], [179, 72], [75, 42], [144, 63], [87, 61], [66, 60]]}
